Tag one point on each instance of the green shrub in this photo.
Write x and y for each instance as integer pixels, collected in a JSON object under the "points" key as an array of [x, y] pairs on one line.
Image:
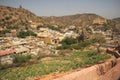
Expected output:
{"points": [[8, 17], [53, 28], [64, 46], [85, 43], [40, 26], [21, 58], [72, 43], [76, 46], [92, 54], [5, 31], [69, 41], [23, 34]]}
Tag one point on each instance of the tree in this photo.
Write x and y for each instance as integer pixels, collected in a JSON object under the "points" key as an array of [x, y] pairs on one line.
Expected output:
{"points": [[5, 31], [81, 37], [23, 34], [40, 26], [69, 41], [21, 58], [100, 40], [53, 28]]}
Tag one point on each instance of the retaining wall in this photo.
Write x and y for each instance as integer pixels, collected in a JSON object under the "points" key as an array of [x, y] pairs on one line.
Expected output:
{"points": [[92, 73]]}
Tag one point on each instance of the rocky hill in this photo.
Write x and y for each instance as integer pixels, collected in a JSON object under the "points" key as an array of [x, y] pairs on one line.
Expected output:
{"points": [[18, 17], [76, 20], [21, 18], [116, 19], [116, 29]]}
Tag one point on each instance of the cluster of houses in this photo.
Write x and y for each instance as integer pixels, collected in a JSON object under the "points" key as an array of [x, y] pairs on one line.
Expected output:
{"points": [[11, 45], [44, 43]]}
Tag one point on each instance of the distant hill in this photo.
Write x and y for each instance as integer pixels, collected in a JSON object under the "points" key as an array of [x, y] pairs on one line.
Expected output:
{"points": [[76, 20], [18, 17], [116, 29], [117, 20], [23, 19]]}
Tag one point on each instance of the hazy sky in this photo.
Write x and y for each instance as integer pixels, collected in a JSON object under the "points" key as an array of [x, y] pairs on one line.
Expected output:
{"points": [[105, 8]]}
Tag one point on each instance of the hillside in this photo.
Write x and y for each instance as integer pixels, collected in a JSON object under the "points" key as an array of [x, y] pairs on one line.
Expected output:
{"points": [[18, 17], [22, 18], [116, 29], [116, 19], [76, 20]]}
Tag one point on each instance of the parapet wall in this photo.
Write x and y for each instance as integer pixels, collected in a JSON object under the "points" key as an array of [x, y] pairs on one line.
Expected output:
{"points": [[91, 73]]}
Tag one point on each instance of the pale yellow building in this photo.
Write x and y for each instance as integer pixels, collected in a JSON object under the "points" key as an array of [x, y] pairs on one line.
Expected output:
{"points": [[99, 21]]}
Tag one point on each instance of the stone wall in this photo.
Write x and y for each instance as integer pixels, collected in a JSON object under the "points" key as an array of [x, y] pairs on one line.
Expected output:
{"points": [[92, 73], [112, 74]]}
